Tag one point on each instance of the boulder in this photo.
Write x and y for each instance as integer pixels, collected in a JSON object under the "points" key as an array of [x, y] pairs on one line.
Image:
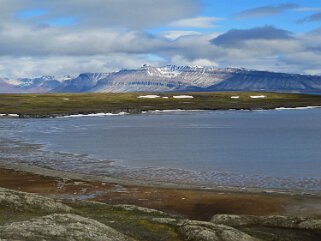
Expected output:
{"points": [[30, 202], [305, 223], [205, 231], [60, 227]]}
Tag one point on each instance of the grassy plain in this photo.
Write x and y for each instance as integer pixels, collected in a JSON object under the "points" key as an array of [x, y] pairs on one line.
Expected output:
{"points": [[44, 105]]}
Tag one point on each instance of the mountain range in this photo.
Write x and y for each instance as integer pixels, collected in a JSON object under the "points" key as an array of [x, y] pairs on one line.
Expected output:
{"points": [[167, 78]]}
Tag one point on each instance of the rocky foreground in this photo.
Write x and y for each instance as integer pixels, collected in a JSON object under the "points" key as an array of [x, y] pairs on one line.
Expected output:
{"points": [[25, 216]]}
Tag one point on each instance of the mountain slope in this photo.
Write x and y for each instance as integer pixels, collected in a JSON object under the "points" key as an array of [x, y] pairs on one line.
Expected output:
{"points": [[29, 85], [269, 81], [83, 83], [7, 87], [169, 78]]}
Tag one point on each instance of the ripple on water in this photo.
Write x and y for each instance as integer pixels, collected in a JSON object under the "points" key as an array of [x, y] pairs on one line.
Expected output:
{"points": [[15, 151]]}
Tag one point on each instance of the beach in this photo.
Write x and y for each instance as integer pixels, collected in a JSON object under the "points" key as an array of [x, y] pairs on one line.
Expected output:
{"points": [[188, 201]]}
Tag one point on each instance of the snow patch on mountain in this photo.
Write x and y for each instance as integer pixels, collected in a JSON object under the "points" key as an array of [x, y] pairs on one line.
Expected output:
{"points": [[166, 79]]}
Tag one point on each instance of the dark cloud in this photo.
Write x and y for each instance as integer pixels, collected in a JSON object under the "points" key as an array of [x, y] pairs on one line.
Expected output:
{"points": [[266, 10], [312, 18], [235, 37]]}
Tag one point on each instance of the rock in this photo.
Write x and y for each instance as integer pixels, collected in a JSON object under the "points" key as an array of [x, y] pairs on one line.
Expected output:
{"points": [[307, 223], [171, 221], [311, 224], [235, 220], [280, 221], [60, 227], [139, 209], [205, 231], [32, 202]]}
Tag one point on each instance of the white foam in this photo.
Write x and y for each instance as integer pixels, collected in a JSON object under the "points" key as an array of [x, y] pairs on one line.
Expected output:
{"points": [[9, 115], [149, 96], [183, 97], [298, 108], [94, 115], [258, 96], [170, 111], [13, 115], [235, 97]]}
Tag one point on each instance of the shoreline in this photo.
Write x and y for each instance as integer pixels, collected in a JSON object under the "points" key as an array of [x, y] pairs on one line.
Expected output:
{"points": [[122, 113], [47, 172], [187, 201]]}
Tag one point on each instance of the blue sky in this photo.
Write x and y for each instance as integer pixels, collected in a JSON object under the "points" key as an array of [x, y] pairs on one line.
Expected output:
{"points": [[286, 19], [228, 11], [67, 37]]}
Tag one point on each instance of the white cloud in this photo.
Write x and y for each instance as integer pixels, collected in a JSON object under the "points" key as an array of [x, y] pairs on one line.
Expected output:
{"points": [[30, 41], [313, 72], [268, 10], [307, 9], [197, 22], [177, 34], [179, 60], [110, 35], [15, 67]]}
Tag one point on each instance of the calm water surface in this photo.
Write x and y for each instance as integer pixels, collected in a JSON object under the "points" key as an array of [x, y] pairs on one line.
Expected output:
{"points": [[283, 145]]}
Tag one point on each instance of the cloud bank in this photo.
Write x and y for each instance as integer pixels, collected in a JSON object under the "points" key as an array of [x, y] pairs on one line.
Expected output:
{"points": [[68, 37]]}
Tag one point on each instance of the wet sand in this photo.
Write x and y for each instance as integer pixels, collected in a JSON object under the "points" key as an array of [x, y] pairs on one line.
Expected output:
{"points": [[189, 202]]}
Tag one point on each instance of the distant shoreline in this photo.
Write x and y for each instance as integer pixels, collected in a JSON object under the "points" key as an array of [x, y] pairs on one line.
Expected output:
{"points": [[153, 112], [104, 104]]}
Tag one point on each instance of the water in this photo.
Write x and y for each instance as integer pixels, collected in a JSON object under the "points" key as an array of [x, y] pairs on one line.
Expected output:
{"points": [[275, 149]]}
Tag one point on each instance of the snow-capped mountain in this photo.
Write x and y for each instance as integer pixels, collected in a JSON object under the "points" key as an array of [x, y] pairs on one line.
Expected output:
{"points": [[83, 83], [6, 87], [167, 78], [170, 78], [30, 85]]}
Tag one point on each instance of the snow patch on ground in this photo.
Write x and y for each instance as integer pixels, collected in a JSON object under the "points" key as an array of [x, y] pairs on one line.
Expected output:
{"points": [[235, 97], [9, 115], [149, 96], [169, 111], [257, 96], [298, 108], [94, 115], [183, 97]]}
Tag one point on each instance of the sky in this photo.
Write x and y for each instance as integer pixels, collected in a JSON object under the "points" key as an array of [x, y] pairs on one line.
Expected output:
{"points": [[68, 37]]}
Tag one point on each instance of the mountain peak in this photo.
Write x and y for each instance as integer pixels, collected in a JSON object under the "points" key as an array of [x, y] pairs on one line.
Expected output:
{"points": [[171, 78]]}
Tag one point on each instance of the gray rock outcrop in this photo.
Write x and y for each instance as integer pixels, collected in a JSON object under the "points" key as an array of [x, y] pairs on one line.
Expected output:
{"points": [[128, 207], [204, 231], [26, 201], [60, 227], [305, 223]]}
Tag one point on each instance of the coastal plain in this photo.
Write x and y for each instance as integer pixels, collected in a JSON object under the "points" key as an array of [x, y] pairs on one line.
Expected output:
{"points": [[52, 105]]}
